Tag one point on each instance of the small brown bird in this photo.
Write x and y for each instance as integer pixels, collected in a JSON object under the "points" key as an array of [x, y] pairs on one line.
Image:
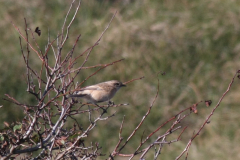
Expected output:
{"points": [[100, 92]]}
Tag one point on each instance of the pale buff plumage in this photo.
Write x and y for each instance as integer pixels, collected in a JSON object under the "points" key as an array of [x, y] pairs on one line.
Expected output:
{"points": [[100, 92]]}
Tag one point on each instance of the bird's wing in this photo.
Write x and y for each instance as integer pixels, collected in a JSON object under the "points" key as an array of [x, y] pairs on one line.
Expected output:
{"points": [[85, 91], [91, 88]]}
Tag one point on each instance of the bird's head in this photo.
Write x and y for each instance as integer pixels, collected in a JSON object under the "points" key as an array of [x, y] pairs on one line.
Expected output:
{"points": [[116, 84]]}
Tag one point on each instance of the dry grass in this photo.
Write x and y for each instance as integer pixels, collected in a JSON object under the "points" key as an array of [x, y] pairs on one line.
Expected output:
{"points": [[196, 43]]}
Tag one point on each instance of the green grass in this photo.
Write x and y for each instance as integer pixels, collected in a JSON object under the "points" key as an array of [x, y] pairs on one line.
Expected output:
{"points": [[195, 42]]}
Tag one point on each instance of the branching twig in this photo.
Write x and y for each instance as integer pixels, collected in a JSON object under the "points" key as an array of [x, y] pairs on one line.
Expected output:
{"points": [[210, 115]]}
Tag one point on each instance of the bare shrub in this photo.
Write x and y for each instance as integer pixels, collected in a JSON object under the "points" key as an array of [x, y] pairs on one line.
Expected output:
{"points": [[42, 133]]}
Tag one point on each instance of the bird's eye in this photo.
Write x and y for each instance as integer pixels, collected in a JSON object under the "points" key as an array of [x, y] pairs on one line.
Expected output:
{"points": [[117, 84]]}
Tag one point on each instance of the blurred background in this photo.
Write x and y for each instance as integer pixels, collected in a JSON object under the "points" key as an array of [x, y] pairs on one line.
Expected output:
{"points": [[196, 43]]}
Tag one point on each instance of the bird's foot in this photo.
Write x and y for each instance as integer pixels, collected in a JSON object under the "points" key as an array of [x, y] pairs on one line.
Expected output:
{"points": [[111, 103]]}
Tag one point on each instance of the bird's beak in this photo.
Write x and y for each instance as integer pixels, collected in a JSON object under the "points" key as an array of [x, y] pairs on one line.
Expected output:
{"points": [[123, 85]]}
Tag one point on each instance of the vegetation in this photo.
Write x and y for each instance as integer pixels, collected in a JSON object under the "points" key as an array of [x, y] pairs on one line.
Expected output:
{"points": [[195, 43]]}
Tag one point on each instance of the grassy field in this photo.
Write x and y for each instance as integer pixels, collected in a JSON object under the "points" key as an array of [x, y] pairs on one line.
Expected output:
{"points": [[196, 43]]}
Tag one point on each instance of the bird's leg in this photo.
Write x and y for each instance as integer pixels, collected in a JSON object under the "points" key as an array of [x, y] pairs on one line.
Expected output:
{"points": [[104, 110]]}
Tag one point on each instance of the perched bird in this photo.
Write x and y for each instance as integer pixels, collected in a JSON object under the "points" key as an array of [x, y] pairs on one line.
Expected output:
{"points": [[100, 92]]}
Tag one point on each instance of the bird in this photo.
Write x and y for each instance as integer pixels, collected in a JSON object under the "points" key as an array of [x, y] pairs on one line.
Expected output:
{"points": [[100, 92]]}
